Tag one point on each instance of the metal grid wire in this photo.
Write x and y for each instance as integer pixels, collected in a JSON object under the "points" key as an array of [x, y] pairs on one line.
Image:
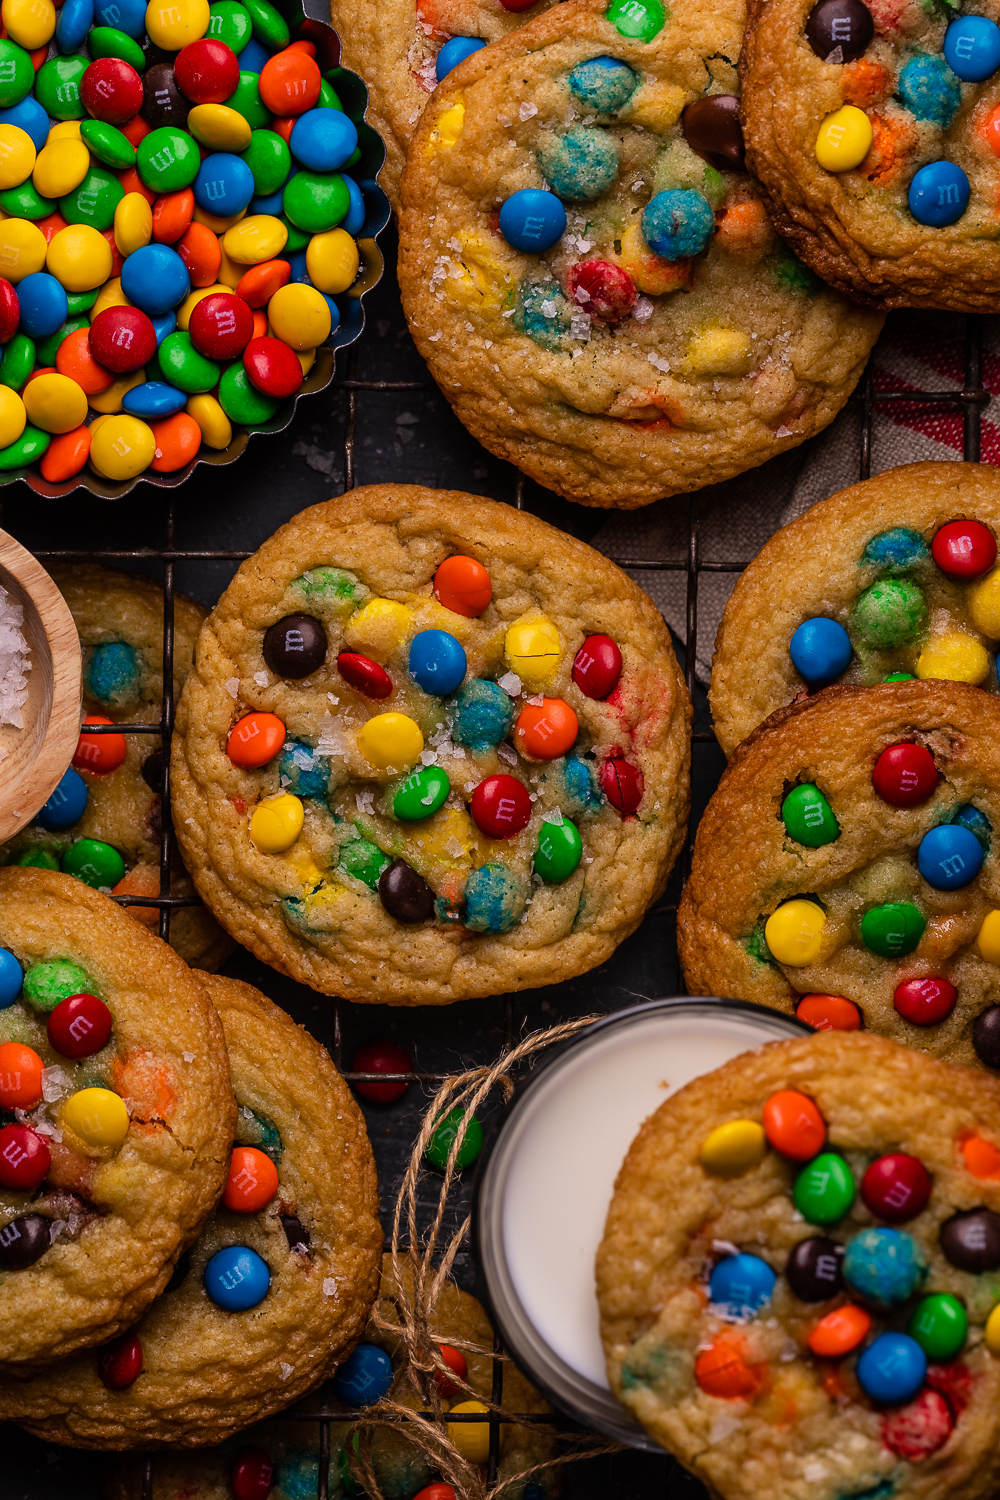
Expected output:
{"points": [[970, 401]]}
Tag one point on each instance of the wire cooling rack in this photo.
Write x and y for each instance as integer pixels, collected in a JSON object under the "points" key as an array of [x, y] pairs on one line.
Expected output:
{"points": [[654, 1476]]}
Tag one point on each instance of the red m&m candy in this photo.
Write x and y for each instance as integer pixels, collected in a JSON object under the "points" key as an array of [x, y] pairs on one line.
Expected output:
{"points": [[501, 806], [463, 585], [964, 549], [364, 674], [905, 775], [896, 1187], [252, 1476], [597, 667], [207, 71], [254, 740], [10, 311], [99, 753], [252, 1181], [111, 90], [122, 339], [925, 1001], [119, 1364], [920, 1428], [602, 289], [829, 1013], [221, 327], [272, 367], [381, 1057], [80, 1025], [20, 1076], [455, 1360], [621, 783], [24, 1158]]}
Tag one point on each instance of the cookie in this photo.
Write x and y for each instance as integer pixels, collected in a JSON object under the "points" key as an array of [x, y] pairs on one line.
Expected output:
{"points": [[875, 132], [115, 1086], [291, 1449], [301, 1202], [395, 49], [589, 272], [120, 620], [894, 576], [849, 856], [798, 1275], [432, 749]]}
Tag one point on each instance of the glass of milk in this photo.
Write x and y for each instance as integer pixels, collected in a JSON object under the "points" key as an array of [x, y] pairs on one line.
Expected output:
{"points": [[543, 1194]]}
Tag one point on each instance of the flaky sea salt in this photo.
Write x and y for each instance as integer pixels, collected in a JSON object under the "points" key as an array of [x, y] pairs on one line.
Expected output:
{"points": [[56, 1084], [14, 662], [329, 1286], [507, 754], [233, 687], [658, 362], [286, 1370], [261, 679], [526, 111], [511, 684]]}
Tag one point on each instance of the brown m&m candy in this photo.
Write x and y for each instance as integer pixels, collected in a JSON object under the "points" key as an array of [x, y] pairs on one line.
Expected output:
{"points": [[813, 1269], [971, 1240], [986, 1036], [846, 25], [712, 128], [295, 646], [405, 894], [23, 1241], [162, 101]]}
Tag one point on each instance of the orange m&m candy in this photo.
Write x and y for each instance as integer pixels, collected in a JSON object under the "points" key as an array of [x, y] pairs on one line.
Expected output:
{"points": [[982, 1159], [144, 880], [252, 1180], [991, 130], [289, 83], [793, 1125], [546, 730], [67, 453], [75, 359], [201, 252], [254, 740], [829, 1013], [99, 753], [20, 1076], [724, 1370], [171, 216], [177, 439], [258, 285], [840, 1331], [463, 585]]}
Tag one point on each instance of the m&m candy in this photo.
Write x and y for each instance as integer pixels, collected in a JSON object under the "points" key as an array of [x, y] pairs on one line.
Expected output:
{"points": [[276, 823], [446, 1133], [892, 1368], [546, 730], [364, 674], [939, 1325], [381, 1057], [794, 933], [731, 1149], [79, 1026], [622, 784], [924, 1002], [421, 794], [364, 1377], [532, 220], [597, 666], [295, 647], [820, 650], [252, 1180], [896, 1187], [808, 817], [455, 1361], [829, 1013], [23, 1241], [741, 1285], [824, 1190], [252, 1475], [119, 1364], [11, 978], [455, 51], [813, 1269], [237, 1279], [24, 1158], [99, 753], [437, 662], [97, 1118], [725, 1369], [501, 806], [970, 1240], [20, 1076], [893, 929], [390, 739], [793, 1124], [840, 1331], [905, 775], [405, 895], [883, 1266], [254, 740], [949, 857], [939, 194], [463, 585], [964, 549], [559, 851]]}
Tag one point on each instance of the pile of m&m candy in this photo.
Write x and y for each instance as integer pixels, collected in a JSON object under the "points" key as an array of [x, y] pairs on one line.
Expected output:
{"points": [[928, 86], [177, 220], [892, 613], [481, 716], [93, 1120], [869, 1275], [949, 857]]}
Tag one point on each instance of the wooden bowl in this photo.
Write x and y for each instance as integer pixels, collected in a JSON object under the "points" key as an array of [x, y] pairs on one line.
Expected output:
{"points": [[38, 755]]}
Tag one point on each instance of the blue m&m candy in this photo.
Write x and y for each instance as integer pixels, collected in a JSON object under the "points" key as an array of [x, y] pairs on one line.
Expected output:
{"points": [[154, 399], [364, 1377], [11, 978], [820, 650], [29, 115], [741, 1285], [532, 220], [437, 662], [224, 184], [884, 1266], [949, 857], [892, 1368], [678, 223], [939, 194], [323, 139], [454, 52], [124, 15], [66, 805], [236, 1278], [972, 48], [44, 306], [155, 279], [163, 326]]}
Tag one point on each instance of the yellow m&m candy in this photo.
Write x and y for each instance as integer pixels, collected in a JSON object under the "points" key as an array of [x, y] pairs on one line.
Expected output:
{"points": [[794, 933], [216, 428], [78, 257], [332, 261], [988, 939], [472, 1439], [17, 156], [30, 23], [22, 248], [276, 823], [97, 1118], [255, 239], [532, 648], [390, 740], [12, 416], [956, 657], [844, 139], [992, 1331], [378, 627], [133, 224], [55, 403], [171, 24], [61, 166], [219, 127], [733, 1148], [122, 447], [299, 314], [984, 605]]}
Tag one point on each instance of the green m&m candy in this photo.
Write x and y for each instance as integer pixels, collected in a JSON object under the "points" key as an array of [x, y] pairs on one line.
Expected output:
{"points": [[37, 858], [441, 1142], [30, 445], [939, 1325], [26, 202], [900, 677], [49, 348], [229, 22], [269, 159], [167, 159], [824, 1190], [247, 102], [808, 817], [364, 860], [107, 41], [57, 86], [297, 239], [17, 74], [48, 983], [81, 302], [558, 853], [182, 365], [421, 794], [639, 19], [240, 400], [94, 863], [891, 930], [18, 361], [107, 143], [94, 201], [889, 614], [268, 25], [316, 201], [328, 99]]}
